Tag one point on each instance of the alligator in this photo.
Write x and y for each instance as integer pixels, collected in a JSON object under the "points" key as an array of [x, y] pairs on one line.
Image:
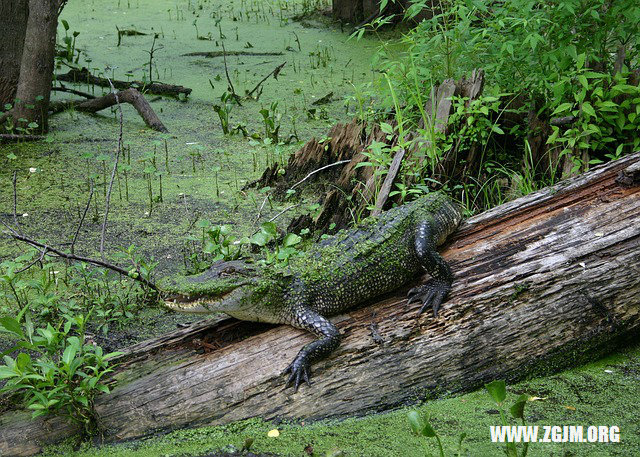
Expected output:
{"points": [[334, 275]]}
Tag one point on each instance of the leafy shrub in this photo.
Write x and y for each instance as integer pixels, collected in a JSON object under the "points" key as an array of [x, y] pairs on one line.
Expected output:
{"points": [[546, 59], [57, 371]]}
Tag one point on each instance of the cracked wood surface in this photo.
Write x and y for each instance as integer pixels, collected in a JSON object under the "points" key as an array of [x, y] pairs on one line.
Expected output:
{"points": [[541, 283]]}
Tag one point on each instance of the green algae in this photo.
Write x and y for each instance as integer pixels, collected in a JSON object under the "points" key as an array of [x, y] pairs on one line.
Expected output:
{"points": [[52, 197], [600, 393]]}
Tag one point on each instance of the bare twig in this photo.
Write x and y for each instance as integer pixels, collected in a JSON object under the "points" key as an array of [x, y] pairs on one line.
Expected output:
{"points": [[113, 175], [275, 73], [340, 162], [86, 209], [226, 71], [15, 199], [39, 259], [63, 88], [53, 251], [260, 210], [283, 211]]}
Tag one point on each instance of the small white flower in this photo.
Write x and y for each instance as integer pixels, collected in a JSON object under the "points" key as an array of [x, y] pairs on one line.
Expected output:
{"points": [[33, 170], [25, 215], [608, 371], [146, 213]]}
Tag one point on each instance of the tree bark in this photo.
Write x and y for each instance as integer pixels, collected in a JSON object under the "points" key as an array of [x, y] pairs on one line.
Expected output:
{"points": [[36, 68], [541, 283], [13, 27]]}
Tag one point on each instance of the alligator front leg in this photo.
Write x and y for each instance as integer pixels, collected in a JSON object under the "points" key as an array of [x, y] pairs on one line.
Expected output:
{"points": [[436, 289], [329, 341]]}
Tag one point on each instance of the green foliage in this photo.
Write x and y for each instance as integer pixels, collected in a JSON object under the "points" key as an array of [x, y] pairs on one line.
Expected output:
{"points": [[606, 111], [498, 392], [421, 426], [551, 59], [53, 291], [224, 110], [282, 251], [271, 118], [56, 370]]}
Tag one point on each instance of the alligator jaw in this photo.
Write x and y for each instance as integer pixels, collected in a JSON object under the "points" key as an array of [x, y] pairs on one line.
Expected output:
{"points": [[194, 303]]}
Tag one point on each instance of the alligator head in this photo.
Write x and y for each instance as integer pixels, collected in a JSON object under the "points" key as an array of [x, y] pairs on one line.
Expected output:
{"points": [[232, 287]]}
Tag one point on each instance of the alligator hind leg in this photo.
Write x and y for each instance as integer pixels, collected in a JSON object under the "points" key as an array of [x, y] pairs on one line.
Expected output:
{"points": [[436, 289], [329, 341]]}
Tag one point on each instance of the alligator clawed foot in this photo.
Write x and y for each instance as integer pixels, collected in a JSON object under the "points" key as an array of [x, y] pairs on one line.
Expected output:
{"points": [[431, 294], [299, 370]]}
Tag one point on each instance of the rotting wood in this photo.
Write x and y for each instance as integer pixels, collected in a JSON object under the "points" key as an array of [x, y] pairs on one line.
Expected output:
{"points": [[131, 96], [212, 54], [541, 282], [388, 182], [83, 76], [12, 137], [353, 190]]}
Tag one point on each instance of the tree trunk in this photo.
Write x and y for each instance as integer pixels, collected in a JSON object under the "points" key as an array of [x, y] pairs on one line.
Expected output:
{"points": [[36, 69], [13, 26], [541, 283]]}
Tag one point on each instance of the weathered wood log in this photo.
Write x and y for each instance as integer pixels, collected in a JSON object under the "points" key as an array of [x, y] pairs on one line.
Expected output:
{"points": [[11, 138], [83, 76], [131, 96], [541, 283]]}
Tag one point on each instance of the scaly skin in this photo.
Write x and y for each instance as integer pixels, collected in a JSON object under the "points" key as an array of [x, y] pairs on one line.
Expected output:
{"points": [[337, 274]]}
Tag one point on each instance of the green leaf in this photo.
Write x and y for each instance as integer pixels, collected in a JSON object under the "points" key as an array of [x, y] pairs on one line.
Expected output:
{"points": [[562, 108], [580, 61], [269, 228], [103, 388], [69, 354], [386, 128], [260, 239], [11, 325], [209, 248], [517, 410], [291, 240], [497, 129], [428, 430], [23, 360], [65, 24], [36, 406], [587, 108], [6, 372], [497, 389], [583, 80], [415, 422]]}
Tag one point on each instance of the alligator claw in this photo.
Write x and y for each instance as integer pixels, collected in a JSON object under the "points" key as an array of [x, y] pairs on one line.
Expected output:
{"points": [[300, 371], [432, 293]]}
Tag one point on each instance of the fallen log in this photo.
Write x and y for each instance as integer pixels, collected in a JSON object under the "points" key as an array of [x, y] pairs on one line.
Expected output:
{"points": [[83, 76], [131, 96], [12, 137], [541, 283]]}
